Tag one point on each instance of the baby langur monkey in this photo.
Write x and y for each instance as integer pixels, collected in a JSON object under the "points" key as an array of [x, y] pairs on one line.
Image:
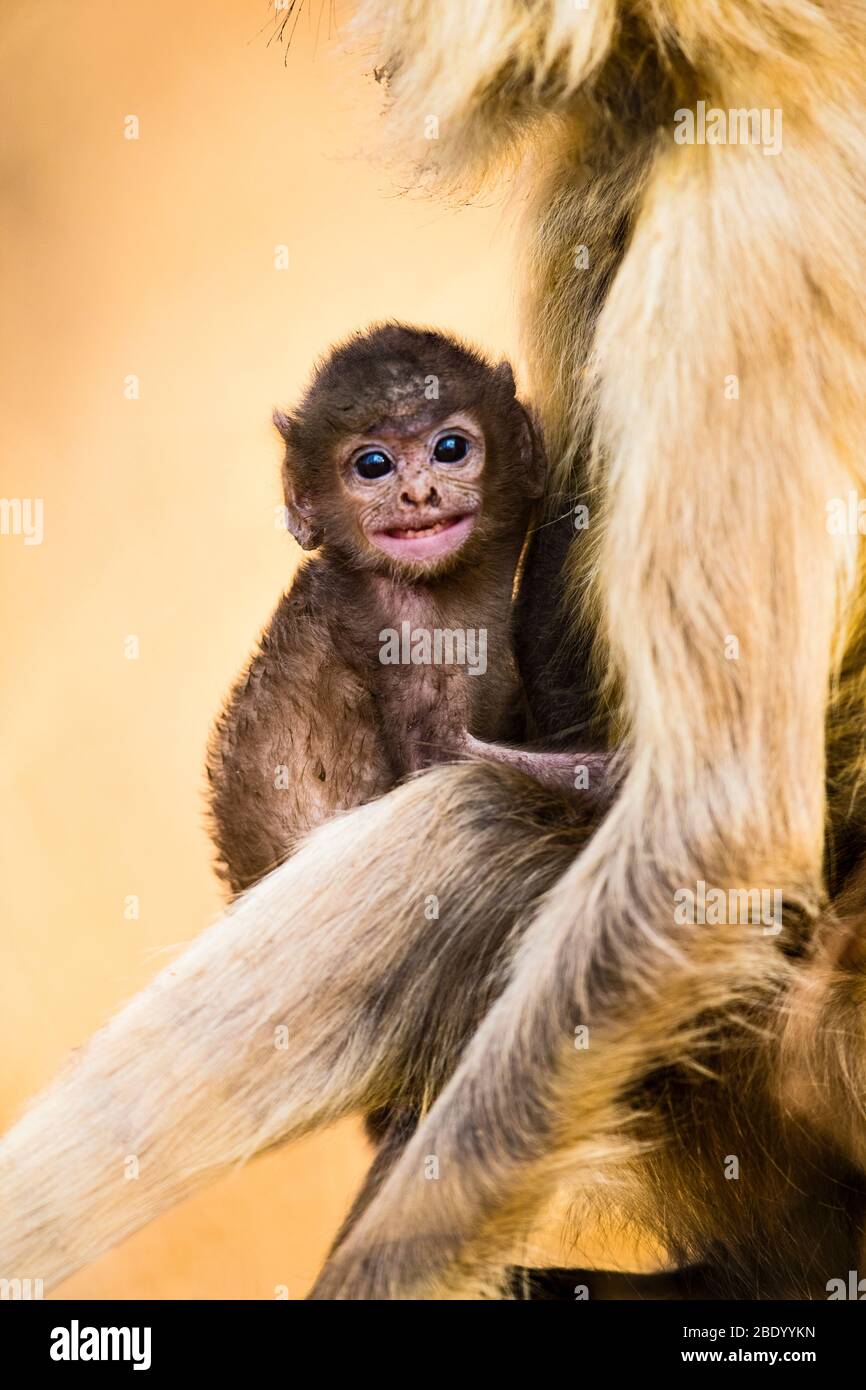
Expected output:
{"points": [[412, 469]]}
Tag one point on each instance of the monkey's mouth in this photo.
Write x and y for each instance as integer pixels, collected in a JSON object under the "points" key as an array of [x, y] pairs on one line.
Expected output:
{"points": [[428, 542]]}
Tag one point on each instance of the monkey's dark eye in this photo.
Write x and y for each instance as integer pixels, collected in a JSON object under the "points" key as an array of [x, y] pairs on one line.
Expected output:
{"points": [[373, 464], [451, 448]]}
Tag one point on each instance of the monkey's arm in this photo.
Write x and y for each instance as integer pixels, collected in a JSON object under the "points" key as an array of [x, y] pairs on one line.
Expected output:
{"points": [[298, 741], [591, 775]]}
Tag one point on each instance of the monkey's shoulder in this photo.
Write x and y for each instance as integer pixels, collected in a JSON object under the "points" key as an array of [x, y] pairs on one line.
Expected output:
{"points": [[322, 628], [299, 738], [309, 683]]}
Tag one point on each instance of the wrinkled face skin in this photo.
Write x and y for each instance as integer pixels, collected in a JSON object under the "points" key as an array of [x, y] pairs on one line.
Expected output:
{"points": [[415, 490]]}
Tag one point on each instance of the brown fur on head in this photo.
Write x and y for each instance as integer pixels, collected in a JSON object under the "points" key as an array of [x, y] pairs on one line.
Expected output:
{"points": [[401, 393]]}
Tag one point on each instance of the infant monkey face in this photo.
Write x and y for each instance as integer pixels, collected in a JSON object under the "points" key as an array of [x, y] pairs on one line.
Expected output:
{"points": [[417, 491]]}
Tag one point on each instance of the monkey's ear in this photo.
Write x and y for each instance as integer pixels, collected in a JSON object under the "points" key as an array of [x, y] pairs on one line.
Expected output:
{"points": [[300, 511], [530, 445], [283, 423], [533, 457], [505, 374], [301, 519]]}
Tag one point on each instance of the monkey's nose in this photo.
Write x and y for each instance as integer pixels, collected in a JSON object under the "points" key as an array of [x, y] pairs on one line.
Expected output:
{"points": [[417, 499]]}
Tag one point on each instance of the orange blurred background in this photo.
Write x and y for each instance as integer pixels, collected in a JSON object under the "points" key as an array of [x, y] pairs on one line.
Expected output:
{"points": [[155, 258]]}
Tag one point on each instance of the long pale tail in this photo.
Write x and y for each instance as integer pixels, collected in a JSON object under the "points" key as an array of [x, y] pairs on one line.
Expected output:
{"points": [[354, 970]]}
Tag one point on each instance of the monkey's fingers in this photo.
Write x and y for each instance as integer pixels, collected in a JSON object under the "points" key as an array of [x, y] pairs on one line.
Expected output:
{"points": [[591, 775]]}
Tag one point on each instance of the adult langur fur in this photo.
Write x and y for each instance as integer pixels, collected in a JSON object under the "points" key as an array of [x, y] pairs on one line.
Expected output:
{"points": [[704, 263]]}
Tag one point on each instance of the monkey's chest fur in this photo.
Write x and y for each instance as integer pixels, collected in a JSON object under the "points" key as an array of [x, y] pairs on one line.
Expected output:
{"points": [[357, 684], [443, 664]]}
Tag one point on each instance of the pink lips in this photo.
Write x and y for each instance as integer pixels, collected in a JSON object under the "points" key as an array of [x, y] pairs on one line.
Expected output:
{"points": [[425, 542]]}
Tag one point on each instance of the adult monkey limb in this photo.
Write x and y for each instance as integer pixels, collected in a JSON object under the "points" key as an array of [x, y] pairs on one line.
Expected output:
{"points": [[736, 265], [193, 1077]]}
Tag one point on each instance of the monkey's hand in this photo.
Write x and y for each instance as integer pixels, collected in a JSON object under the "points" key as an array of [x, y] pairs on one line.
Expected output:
{"points": [[590, 775]]}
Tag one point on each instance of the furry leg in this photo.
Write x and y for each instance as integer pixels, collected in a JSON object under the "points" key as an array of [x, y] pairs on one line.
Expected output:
{"points": [[347, 979]]}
